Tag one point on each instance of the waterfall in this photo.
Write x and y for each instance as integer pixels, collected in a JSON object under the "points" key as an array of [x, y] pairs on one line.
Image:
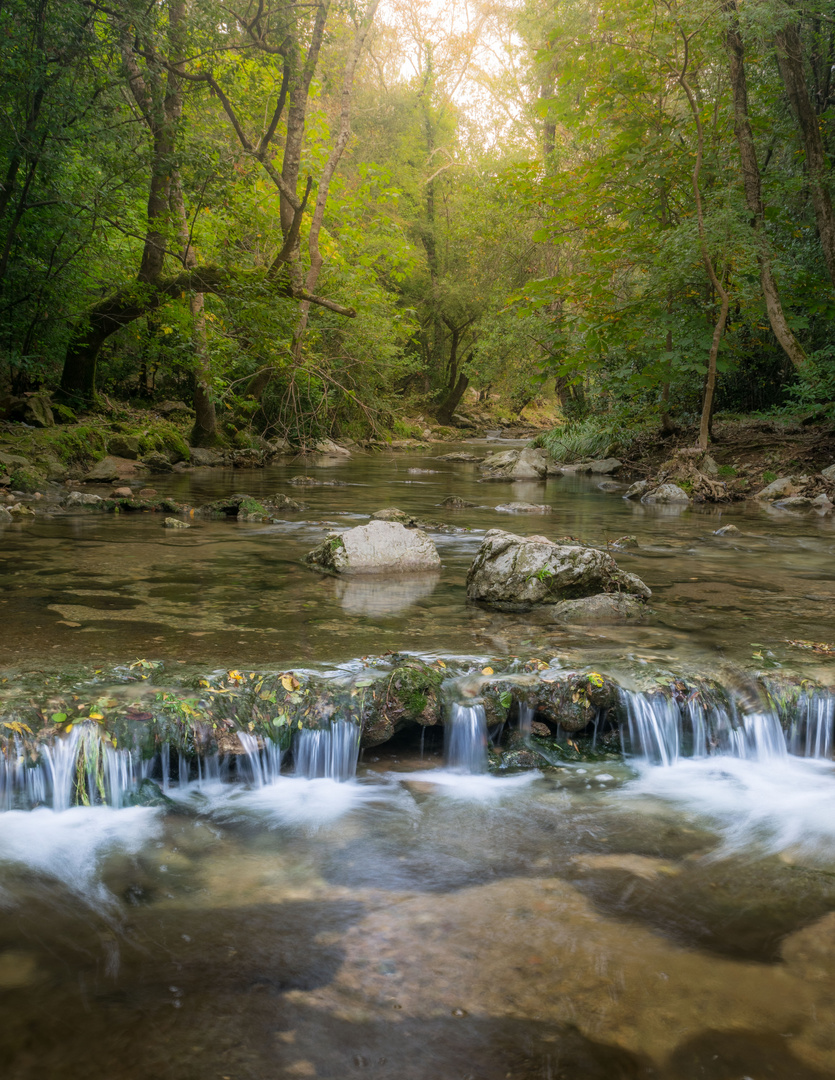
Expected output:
{"points": [[660, 731], [466, 739], [263, 761], [811, 730], [330, 752]]}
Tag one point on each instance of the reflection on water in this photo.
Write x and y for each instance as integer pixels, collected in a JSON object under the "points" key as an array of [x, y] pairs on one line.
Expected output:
{"points": [[372, 596], [236, 593]]}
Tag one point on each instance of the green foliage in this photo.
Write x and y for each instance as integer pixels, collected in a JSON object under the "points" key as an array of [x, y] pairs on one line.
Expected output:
{"points": [[591, 437]]}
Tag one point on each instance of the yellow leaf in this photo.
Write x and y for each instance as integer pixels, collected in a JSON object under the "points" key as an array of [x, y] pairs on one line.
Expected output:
{"points": [[487, 671], [300, 725], [95, 716], [290, 683]]}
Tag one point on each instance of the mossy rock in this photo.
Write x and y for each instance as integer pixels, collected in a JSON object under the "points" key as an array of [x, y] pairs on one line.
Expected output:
{"points": [[27, 479]]}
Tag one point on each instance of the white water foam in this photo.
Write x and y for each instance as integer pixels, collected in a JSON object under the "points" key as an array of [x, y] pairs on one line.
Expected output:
{"points": [[771, 805], [296, 802], [69, 845], [470, 787]]}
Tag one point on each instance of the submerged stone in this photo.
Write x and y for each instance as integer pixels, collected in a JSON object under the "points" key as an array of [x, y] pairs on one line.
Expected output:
{"points": [[455, 502], [727, 530], [603, 608], [175, 523]]}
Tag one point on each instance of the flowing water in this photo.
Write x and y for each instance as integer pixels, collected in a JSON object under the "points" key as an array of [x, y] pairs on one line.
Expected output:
{"points": [[313, 912]]}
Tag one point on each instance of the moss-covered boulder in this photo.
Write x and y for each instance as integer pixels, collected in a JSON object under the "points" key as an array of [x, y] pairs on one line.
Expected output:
{"points": [[517, 573]]}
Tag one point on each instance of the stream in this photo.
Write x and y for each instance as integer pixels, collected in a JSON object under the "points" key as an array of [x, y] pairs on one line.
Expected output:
{"points": [[406, 912]]}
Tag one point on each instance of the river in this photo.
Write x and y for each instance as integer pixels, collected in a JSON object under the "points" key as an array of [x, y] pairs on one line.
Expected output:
{"points": [[606, 919]]}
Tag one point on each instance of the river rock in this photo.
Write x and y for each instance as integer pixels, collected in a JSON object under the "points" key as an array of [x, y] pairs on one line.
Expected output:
{"points": [[5, 516], [666, 493], [125, 493], [460, 455], [822, 502], [829, 474], [313, 481], [455, 502], [83, 498], [284, 502], [527, 464], [14, 461], [203, 457], [524, 508], [610, 486], [391, 513], [157, 462], [782, 488], [124, 446], [175, 523], [328, 446], [640, 487], [605, 466], [602, 608], [517, 573], [727, 530], [378, 547], [113, 468], [626, 542]]}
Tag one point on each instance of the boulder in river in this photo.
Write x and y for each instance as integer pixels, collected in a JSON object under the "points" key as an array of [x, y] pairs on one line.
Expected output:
{"points": [[604, 467], [114, 468], [157, 462], [527, 464], [666, 493], [5, 516], [203, 457], [455, 502], [83, 498], [462, 456], [391, 513], [727, 530], [524, 508], [829, 474], [378, 547], [519, 573], [639, 488], [175, 523], [781, 488]]}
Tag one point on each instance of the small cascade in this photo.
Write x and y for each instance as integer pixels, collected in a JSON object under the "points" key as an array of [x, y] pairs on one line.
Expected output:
{"points": [[654, 728], [124, 770], [812, 730], [466, 739], [262, 760], [660, 731], [330, 752], [60, 765]]}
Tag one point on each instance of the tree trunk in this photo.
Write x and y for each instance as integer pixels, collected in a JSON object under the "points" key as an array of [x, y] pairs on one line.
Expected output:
{"points": [[715, 280], [753, 193], [452, 400], [790, 61]]}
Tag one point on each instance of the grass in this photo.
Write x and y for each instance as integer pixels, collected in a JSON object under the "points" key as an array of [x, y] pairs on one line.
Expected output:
{"points": [[577, 439]]}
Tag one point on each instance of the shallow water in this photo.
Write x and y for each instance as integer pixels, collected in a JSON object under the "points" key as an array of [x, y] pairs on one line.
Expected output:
{"points": [[421, 923], [110, 588], [612, 920]]}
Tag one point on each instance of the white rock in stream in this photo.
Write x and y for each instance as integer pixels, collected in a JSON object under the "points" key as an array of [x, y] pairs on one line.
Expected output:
{"points": [[378, 547]]}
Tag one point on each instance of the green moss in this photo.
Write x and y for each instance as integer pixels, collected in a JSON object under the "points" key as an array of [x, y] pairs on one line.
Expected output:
{"points": [[727, 472], [23, 479], [769, 477], [79, 444]]}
